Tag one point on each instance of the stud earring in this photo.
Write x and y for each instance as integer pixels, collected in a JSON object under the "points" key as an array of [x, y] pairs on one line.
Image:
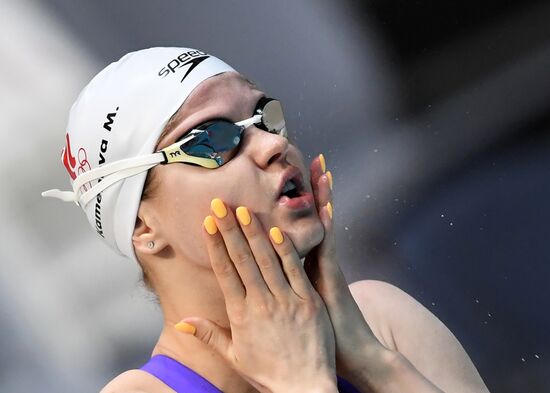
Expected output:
{"points": [[151, 245]]}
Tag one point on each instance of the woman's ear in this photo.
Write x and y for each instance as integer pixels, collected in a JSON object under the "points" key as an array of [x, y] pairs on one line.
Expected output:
{"points": [[147, 238]]}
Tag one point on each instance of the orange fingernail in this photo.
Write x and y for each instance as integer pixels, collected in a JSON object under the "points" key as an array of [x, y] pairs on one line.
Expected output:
{"points": [[322, 162], [329, 176], [329, 209], [184, 327], [210, 225], [243, 215], [218, 207], [276, 235]]}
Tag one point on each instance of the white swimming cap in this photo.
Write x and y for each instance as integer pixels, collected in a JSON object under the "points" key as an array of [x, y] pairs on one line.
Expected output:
{"points": [[120, 114]]}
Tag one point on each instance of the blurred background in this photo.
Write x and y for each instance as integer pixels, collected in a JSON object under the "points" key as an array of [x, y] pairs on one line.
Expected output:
{"points": [[434, 118]]}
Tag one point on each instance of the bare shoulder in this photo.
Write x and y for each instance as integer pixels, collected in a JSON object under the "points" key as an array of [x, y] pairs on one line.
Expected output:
{"points": [[378, 301], [366, 290], [136, 381], [373, 292], [391, 307], [402, 324]]}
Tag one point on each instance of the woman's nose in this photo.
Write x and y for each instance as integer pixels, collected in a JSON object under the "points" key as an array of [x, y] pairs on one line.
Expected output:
{"points": [[267, 148]]}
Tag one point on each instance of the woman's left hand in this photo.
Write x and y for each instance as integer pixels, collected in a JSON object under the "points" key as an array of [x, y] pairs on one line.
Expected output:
{"points": [[356, 345]]}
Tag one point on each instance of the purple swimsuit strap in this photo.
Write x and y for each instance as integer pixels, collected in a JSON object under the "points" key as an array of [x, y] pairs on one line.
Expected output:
{"points": [[177, 376], [184, 380]]}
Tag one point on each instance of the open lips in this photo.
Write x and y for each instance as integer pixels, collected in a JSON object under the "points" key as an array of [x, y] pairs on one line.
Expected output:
{"points": [[291, 184]]}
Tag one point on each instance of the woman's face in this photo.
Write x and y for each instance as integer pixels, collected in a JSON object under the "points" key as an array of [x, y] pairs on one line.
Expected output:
{"points": [[253, 178]]}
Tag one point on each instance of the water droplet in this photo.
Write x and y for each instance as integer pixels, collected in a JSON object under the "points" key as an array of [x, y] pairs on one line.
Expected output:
{"points": [[537, 356], [451, 224], [523, 360], [443, 215], [346, 228], [375, 150]]}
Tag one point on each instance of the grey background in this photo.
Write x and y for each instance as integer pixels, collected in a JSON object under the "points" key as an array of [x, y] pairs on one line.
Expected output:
{"points": [[434, 119]]}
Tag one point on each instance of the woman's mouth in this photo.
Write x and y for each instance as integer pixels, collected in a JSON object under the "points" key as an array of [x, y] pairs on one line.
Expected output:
{"points": [[301, 202], [292, 193]]}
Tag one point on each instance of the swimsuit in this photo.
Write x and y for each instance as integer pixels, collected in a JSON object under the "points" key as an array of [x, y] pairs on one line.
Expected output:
{"points": [[184, 380]]}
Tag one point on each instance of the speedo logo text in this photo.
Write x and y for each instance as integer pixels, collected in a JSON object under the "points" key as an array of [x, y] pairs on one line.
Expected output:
{"points": [[190, 58]]}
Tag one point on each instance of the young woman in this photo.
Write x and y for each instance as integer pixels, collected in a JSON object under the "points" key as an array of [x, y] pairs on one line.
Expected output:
{"points": [[185, 166]]}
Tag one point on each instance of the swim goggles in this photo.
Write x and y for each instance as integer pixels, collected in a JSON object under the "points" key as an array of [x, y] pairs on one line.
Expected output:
{"points": [[210, 145]]}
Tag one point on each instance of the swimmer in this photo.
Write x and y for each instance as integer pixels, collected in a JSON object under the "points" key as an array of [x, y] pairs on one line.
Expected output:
{"points": [[186, 167]]}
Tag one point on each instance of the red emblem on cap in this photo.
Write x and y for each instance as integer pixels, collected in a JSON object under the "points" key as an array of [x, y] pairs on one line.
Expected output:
{"points": [[71, 165], [68, 159]]}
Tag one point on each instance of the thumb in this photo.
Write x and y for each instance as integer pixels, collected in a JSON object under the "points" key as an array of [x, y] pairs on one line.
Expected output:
{"points": [[210, 333]]}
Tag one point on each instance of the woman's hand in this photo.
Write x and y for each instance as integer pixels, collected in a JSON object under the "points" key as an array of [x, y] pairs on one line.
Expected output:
{"points": [[281, 339], [356, 345], [360, 357]]}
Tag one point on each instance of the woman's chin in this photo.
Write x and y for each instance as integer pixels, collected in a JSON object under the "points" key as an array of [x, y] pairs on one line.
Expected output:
{"points": [[306, 237]]}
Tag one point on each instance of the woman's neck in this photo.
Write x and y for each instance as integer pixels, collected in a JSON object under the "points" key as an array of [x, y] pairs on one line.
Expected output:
{"points": [[193, 291]]}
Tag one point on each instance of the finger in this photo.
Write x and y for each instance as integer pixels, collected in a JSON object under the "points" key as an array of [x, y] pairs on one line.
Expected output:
{"points": [[322, 191], [331, 279], [210, 333], [226, 274], [263, 252], [317, 168], [292, 265], [321, 181], [238, 249]]}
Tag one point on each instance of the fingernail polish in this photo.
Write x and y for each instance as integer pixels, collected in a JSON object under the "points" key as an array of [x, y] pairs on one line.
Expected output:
{"points": [[218, 207], [329, 176], [210, 225], [184, 327], [322, 162], [243, 215], [276, 235], [329, 209]]}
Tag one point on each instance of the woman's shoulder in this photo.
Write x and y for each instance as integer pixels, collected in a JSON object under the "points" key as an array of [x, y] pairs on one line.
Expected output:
{"points": [[136, 381], [388, 309], [376, 293]]}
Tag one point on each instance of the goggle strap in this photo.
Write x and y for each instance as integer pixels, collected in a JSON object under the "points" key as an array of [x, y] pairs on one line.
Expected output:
{"points": [[65, 196], [107, 181], [117, 166], [110, 173], [248, 122]]}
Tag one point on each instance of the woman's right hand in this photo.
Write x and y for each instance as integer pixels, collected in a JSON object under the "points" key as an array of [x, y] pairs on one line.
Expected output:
{"points": [[281, 337]]}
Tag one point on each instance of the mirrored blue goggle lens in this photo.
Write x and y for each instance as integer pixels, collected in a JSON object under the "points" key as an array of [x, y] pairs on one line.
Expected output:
{"points": [[218, 140]]}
